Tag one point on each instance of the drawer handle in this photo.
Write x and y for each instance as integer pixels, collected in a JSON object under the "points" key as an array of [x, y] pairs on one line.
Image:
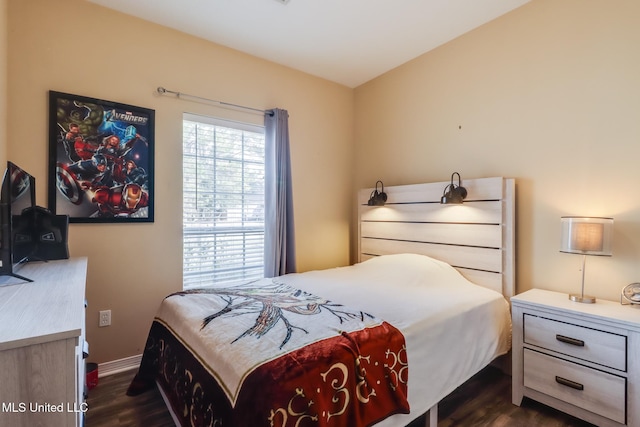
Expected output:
{"points": [[569, 383], [569, 340]]}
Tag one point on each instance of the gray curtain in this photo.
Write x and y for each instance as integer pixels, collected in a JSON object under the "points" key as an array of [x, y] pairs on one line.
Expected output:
{"points": [[279, 249]]}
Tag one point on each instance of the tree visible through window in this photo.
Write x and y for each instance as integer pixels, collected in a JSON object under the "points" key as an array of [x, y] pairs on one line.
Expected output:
{"points": [[223, 202]]}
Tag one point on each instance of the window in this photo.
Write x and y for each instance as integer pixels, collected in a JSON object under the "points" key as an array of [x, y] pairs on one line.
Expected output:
{"points": [[223, 202]]}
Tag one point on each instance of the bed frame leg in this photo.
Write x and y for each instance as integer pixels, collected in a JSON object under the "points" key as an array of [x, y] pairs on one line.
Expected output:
{"points": [[432, 417]]}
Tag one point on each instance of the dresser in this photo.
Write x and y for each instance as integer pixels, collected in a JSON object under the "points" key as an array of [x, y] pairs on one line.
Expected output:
{"points": [[582, 359], [42, 336]]}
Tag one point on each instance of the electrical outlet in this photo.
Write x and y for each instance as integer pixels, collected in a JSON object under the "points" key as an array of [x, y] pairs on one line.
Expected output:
{"points": [[105, 318]]}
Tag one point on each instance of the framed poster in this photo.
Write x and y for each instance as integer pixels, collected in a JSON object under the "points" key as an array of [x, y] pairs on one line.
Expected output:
{"points": [[101, 156]]}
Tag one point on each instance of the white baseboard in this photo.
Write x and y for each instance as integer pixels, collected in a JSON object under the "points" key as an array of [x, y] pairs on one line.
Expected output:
{"points": [[120, 365]]}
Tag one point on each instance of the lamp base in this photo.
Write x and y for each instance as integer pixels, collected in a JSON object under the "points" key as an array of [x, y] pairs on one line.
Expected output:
{"points": [[586, 299]]}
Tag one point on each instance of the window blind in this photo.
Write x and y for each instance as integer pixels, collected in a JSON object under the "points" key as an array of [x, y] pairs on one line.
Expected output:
{"points": [[223, 202]]}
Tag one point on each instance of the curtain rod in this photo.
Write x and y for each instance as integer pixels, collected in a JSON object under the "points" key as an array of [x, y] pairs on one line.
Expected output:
{"points": [[163, 91]]}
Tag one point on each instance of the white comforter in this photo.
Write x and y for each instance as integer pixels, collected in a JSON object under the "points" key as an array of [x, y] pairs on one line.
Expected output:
{"points": [[452, 327]]}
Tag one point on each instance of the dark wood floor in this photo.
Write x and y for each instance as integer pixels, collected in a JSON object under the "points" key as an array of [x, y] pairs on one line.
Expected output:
{"points": [[483, 401]]}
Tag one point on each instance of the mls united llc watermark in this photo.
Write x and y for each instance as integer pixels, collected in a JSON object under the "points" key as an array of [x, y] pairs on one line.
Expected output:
{"points": [[22, 407]]}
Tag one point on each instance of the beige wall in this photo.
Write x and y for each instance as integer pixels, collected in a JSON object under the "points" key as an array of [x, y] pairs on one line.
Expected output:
{"points": [[3, 82], [548, 94], [77, 47]]}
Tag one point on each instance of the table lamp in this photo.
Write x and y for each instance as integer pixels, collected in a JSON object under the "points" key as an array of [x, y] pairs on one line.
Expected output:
{"points": [[586, 236]]}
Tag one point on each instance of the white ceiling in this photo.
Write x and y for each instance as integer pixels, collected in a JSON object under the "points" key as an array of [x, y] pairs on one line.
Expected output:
{"points": [[346, 41]]}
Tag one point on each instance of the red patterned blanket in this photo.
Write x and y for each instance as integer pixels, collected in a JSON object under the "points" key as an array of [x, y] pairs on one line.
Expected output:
{"points": [[273, 356]]}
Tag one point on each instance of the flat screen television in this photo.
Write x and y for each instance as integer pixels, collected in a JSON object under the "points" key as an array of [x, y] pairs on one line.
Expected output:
{"points": [[18, 193]]}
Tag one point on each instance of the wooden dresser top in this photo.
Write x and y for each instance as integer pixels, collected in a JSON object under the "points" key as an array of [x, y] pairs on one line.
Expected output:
{"points": [[45, 309]]}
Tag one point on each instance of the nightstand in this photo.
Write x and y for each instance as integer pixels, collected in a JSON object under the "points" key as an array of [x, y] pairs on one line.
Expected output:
{"points": [[582, 359]]}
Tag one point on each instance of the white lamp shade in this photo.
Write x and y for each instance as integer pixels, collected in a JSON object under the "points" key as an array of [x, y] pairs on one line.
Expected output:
{"points": [[586, 235]]}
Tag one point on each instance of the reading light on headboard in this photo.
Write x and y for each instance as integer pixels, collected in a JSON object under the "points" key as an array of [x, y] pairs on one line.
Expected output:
{"points": [[586, 236], [377, 198], [453, 194]]}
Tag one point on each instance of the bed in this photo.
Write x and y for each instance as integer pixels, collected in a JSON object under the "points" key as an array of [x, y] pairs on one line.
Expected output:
{"points": [[378, 343]]}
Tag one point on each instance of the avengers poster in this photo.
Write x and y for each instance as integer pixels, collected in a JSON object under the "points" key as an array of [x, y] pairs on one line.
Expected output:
{"points": [[100, 160]]}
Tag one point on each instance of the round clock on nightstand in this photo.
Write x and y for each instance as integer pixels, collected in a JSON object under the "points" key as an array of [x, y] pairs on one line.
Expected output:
{"points": [[631, 294]]}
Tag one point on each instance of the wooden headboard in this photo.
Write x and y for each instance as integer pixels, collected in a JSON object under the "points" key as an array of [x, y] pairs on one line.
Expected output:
{"points": [[477, 238]]}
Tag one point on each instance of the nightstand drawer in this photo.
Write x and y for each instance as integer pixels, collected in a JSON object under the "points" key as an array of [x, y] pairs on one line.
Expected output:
{"points": [[592, 345], [586, 388]]}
